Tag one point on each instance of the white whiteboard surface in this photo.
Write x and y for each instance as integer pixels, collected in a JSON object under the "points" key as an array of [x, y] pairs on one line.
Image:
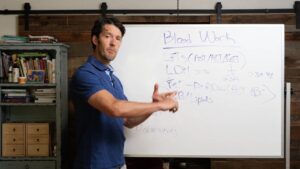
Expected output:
{"points": [[229, 81]]}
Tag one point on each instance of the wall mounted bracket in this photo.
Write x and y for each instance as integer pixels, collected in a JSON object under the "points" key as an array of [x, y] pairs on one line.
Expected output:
{"points": [[297, 11], [218, 9], [103, 8], [27, 8]]}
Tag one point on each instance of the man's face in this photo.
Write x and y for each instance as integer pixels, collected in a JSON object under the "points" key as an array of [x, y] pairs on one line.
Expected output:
{"points": [[108, 43]]}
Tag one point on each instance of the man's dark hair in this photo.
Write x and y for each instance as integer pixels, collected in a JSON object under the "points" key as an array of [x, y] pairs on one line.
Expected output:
{"points": [[99, 24]]}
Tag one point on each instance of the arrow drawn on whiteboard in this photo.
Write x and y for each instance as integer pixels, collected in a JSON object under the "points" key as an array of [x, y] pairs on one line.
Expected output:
{"points": [[273, 95], [262, 93], [243, 60]]}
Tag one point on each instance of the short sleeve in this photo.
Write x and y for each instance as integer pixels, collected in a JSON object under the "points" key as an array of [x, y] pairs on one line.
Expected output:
{"points": [[85, 83]]}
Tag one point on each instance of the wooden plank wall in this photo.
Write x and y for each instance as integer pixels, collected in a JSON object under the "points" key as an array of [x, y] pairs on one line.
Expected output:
{"points": [[75, 31]]}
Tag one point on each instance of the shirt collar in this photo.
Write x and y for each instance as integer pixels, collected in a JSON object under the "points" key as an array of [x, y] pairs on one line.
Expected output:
{"points": [[100, 66]]}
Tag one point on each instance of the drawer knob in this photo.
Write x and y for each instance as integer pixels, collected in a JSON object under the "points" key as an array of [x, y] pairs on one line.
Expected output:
{"points": [[14, 129], [14, 149], [38, 149], [37, 129], [14, 140], [37, 140]]}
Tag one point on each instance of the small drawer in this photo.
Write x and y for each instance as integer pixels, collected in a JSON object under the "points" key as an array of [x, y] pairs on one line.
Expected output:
{"points": [[13, 139], [13, 150], [13, 128], [37, 128], [37, 150], [37, 139]]}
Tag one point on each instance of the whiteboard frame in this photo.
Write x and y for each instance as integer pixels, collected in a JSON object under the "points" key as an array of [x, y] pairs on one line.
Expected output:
{"points": [[288, 125], [284, 125]]}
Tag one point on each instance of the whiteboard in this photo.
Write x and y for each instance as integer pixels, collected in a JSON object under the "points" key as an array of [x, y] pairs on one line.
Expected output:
{"points": [[230, 86]]}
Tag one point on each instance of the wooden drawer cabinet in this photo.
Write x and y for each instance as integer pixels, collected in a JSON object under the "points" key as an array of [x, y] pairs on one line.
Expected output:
{"points": [[13, 139], [37, 139], [25, 139]]}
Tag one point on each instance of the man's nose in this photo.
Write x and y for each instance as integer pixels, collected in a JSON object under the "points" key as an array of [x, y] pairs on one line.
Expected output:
{"points": [[113, 42]]}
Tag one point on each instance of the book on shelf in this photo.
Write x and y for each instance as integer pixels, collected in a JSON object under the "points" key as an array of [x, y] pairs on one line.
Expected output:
{"points": [[45, 95], [33, 54], [52, 95], [44, 100], [51, 71], [36, 76], [45, 90], [13, 39], [15, 99], [42, 39], [6, 62], [16, 94], [13, 90]]}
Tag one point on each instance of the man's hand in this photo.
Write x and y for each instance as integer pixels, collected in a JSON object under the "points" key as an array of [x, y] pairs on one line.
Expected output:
{"points": [[167, 98], [157, 97]]}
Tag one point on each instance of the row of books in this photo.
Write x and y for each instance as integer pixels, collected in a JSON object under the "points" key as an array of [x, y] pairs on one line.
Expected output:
{"points": [[36, 66], [15, 96], [45, 95], [39, 95], [30, 38]]}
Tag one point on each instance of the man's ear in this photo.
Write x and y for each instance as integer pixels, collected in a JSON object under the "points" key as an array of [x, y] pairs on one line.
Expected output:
{"points": [[95, 40]]}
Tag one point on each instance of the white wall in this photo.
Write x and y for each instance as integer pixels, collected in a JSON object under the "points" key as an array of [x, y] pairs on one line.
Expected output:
{"points": [[8, 25], [10, 21]]}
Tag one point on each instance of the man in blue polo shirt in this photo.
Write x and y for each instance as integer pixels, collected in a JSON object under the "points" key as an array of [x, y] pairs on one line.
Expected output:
{"points": [[101, 107]]}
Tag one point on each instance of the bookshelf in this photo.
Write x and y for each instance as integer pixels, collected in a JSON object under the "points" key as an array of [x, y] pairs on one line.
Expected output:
{"points": [[19, 105]]}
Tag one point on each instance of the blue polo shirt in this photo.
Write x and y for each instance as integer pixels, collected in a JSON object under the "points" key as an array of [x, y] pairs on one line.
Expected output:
{"points": [[99, 137]]}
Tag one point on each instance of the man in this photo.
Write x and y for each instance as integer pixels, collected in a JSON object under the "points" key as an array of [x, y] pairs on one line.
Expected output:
{"points": [[101, 108]]}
